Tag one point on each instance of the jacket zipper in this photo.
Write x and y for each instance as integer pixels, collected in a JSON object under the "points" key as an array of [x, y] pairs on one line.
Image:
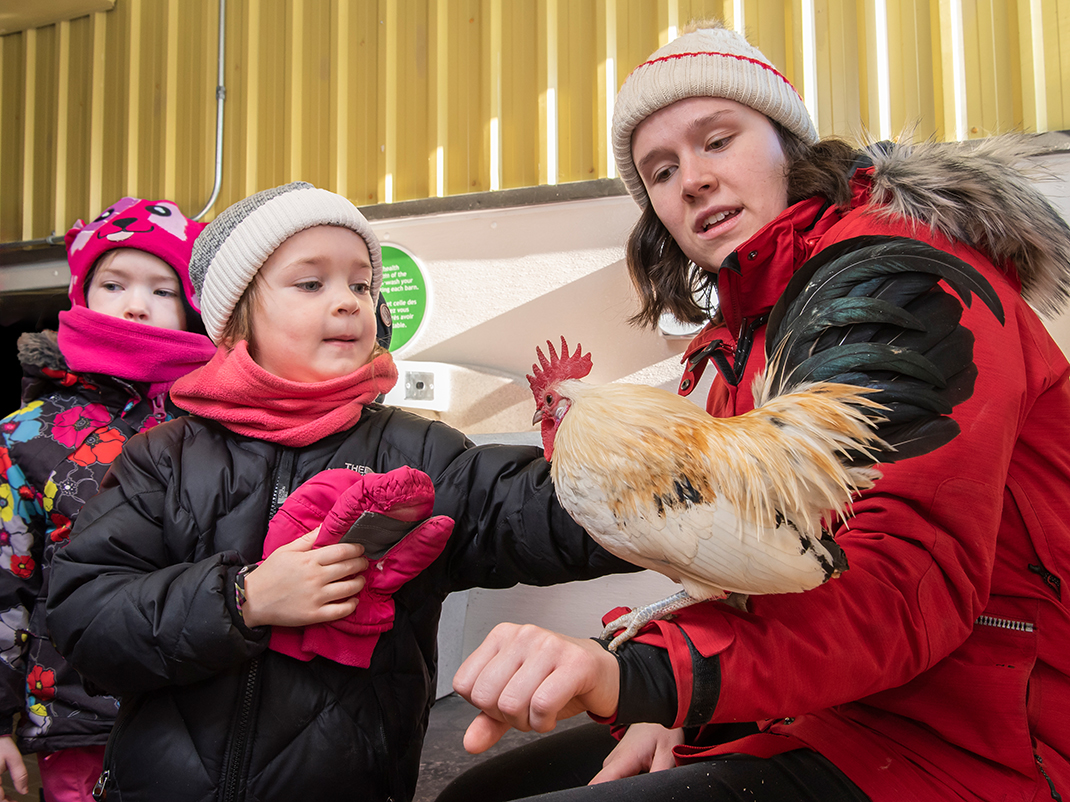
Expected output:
{"points": [[1051, 786], [385, 745], [235, 758], [1005, 623], [126, 712], [100, 790], [1020, 626]]}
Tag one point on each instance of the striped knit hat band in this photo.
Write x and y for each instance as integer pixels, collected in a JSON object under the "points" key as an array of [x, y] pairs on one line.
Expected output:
{"points": [[231, 250], [707, 62]]}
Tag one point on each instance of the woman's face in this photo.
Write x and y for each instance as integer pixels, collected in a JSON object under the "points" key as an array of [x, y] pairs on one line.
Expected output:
{"points": [[313, 318], [135, 285], [715, 172]]}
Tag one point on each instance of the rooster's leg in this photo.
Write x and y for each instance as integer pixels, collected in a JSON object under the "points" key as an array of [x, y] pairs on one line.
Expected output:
{"points": [[637, 619]]}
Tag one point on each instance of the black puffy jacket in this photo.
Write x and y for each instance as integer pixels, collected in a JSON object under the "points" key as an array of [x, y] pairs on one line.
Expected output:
{"points": [[142, 603]]}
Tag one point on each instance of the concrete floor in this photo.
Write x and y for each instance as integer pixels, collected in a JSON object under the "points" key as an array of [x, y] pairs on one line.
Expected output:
{"points": [[443, 758]]}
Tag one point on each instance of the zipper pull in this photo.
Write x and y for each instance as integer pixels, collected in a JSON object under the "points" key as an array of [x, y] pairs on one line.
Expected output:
{"points": [[1051, 579], [100, 790], [133, 402], [704, 353], [1040, 765]]}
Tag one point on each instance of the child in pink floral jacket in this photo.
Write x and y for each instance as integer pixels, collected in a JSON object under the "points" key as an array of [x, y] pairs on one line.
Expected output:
{"points": [[86, 390]]}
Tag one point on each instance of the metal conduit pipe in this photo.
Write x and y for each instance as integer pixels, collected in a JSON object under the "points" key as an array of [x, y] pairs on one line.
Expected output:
{"points": [[220, 96], [53, 239]]}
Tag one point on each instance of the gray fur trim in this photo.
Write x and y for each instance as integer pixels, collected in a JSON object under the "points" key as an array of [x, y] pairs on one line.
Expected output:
{"points": [[982, 193], [40, 348]]}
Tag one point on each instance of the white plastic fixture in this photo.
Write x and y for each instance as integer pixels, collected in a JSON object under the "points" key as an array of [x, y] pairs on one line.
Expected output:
{"points": [[421, 385]]}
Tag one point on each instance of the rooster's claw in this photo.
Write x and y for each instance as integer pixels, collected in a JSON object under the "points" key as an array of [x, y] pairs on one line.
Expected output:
{"points": [[635, 620]]}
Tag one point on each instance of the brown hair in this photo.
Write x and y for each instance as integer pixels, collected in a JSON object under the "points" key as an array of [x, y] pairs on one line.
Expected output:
{"points": [[240, 324], [667, 281]]}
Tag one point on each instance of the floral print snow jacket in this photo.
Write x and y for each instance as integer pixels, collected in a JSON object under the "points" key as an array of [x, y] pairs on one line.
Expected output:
{"points": [[53, 454]]}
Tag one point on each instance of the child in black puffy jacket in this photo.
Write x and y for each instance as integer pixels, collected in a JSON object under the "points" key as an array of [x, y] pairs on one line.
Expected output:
{"points": [[293, 668]]}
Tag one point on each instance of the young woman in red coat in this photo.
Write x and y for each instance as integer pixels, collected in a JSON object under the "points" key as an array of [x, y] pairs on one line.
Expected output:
{"points": [[936, 668]]}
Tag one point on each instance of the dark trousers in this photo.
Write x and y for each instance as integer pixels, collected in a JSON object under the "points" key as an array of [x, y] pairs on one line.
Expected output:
{"points": [[557, 768]]}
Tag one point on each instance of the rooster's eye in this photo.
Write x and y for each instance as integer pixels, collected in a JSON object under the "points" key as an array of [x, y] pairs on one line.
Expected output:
{"points": [[549, 399]]}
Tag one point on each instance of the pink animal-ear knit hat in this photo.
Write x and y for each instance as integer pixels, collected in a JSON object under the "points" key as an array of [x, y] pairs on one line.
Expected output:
{"points": [[92, 342], [154, 226], [708, 60]]}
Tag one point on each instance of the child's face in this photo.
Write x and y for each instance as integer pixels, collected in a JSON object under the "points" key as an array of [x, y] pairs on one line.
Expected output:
{"points": [[313, 318], [135, 285]]}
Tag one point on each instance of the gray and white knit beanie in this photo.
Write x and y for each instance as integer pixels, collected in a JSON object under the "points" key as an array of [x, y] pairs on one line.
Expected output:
{"points": [[709, 61], [234, 246]]}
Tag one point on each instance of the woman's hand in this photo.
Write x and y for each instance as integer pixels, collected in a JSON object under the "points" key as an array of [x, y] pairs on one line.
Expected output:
{"points": [[297, 585], [11, 762], [530, 678], [644, 748]]}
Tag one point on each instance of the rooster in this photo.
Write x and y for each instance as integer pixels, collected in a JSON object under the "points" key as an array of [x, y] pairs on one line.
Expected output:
{"points": [[866, 358]]}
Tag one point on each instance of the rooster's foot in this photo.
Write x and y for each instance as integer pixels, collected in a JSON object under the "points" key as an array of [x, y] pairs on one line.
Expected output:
{"points": [[634, 621]]}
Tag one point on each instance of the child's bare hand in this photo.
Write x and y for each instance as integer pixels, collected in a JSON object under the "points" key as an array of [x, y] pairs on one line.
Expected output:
{"points": [[11, 762], [298, 585]]}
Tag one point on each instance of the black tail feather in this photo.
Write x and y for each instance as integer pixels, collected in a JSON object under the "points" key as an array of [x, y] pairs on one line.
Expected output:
{"points": [[869, 311]]}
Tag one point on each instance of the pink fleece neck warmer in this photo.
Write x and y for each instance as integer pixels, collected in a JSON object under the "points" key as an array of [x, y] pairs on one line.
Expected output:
{"points": [[95, 343], [237, 392]]}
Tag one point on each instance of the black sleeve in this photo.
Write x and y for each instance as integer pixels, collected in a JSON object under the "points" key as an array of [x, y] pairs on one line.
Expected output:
{"points": [[509, 527], [125, 607]]}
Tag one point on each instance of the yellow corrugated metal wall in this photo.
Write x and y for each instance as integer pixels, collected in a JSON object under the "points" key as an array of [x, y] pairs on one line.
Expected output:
{"points": [[387, 100]]}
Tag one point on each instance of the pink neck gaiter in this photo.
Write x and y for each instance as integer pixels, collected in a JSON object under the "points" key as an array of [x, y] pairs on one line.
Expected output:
{"points": [[234, 390], [95, 343]]}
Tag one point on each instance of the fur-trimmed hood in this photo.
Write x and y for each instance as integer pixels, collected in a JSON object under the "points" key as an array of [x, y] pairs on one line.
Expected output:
{"points": [[39, 352], [41, 349], [982, 193]]}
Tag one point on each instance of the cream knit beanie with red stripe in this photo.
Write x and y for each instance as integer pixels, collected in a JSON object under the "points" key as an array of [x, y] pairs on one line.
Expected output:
{"points": [[709, 61]]}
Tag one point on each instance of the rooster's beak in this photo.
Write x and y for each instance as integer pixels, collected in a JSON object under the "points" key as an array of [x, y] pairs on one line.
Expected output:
{"points": [[538, 416]]}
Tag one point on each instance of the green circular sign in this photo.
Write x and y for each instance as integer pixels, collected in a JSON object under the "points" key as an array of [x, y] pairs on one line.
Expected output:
{"points": [[405, 292]]}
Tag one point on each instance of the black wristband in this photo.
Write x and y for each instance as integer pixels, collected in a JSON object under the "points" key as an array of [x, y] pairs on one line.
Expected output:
{"points": [[647, 688], [705, 686]]}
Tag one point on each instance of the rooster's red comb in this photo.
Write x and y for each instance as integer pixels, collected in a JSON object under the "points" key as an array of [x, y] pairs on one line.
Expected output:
{"points": [[568, 366]]}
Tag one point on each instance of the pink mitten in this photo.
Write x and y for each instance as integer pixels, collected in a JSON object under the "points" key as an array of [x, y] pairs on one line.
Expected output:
{"points": [[334, 500]]}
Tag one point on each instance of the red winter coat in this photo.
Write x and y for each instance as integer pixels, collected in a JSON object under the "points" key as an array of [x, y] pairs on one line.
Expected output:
{"points": [[938, 666]]}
